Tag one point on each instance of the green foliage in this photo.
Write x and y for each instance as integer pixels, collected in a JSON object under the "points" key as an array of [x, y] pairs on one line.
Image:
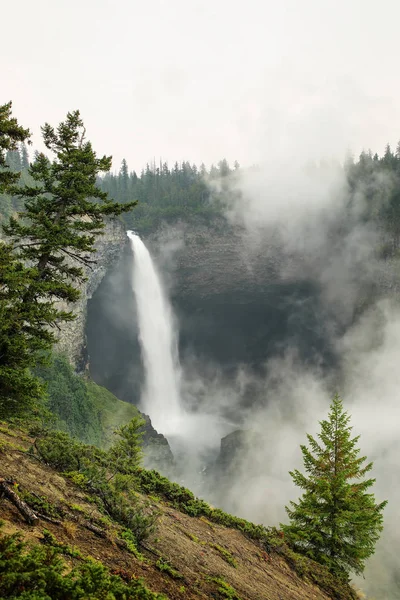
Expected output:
{"points": [[126, 454], [152, 482], [131, 544], [183, 499], [54, 234], [20, 337], [41, 504], [226, 590], [69, 400], [39, 573], [270, 539], [163, 566], [82, 408], [58, 450], [50, 540], [10, 134], [97, 472], [225, 554], [167, 195], [336, 522]]}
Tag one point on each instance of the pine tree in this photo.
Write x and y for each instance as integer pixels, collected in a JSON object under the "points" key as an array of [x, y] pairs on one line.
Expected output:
{"points": [[124, 181], [13, 161], [24, 157], [54, 236], [10, 134], [21, 336], [336, 521], [64, 212], [126, 454]]}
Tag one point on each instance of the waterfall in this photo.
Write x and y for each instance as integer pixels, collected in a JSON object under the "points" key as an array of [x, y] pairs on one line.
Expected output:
{"points": [[161, 394]]}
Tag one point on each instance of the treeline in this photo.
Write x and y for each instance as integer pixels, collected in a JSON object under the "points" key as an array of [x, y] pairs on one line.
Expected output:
{"points": [[377, 179], [167, 194], [164, 194], [187, 192]]}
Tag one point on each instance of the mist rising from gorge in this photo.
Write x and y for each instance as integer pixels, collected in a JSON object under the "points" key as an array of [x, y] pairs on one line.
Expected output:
{"points": [[285, 306]]}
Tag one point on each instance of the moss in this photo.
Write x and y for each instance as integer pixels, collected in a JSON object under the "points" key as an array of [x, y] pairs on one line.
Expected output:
{"points": [[191, 536], [77, 508], [165, 567], [225, 554], [225, 590], [8, 432]]}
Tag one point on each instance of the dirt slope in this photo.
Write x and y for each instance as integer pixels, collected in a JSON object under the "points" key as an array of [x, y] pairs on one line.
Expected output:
{"points": [[186, 557]]}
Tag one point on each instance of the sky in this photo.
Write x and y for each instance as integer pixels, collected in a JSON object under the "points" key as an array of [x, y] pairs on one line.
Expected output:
{"points": [[202, 80]]}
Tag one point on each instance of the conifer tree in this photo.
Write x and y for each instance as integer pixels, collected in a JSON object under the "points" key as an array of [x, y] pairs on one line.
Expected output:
{"points": [[64, 213], [126, 454], [10, 134], [124, 181], [48, 245], [336, 521], [22, 336], [24, 157]]}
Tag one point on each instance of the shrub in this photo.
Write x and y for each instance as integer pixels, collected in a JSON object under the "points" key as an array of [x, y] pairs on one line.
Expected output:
{"points": [[39, 573]]}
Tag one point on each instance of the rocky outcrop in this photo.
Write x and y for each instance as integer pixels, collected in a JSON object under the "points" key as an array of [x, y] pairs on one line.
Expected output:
{"points": [[156, 451], [72, 336]]}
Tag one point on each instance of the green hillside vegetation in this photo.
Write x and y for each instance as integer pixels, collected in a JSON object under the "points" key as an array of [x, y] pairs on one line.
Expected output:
{"points": [[98, 524], [82, 408]]}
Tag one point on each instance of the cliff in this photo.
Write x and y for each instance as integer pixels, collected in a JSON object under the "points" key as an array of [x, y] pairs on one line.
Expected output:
{"points": [[72, 336]]}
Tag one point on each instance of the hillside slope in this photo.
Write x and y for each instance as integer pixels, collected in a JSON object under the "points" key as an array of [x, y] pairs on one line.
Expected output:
{"points": [[185, 557]]}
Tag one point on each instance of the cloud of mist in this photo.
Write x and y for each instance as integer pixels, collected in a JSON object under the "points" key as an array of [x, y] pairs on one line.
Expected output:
{"points": [[304, 217]]}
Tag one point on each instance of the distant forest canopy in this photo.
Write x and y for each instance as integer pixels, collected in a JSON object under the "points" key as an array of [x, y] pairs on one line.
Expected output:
{"points": [[183, 192]]}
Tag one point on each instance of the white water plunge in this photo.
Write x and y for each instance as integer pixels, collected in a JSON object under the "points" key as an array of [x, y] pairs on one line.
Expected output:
{"points": [[161, 395]]}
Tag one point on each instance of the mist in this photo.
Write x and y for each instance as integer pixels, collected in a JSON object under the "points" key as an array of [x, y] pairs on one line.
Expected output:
{"points": [[304, 217]]}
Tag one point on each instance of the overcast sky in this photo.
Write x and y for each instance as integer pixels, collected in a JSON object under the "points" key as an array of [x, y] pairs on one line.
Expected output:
{"points": [[200, 80]]}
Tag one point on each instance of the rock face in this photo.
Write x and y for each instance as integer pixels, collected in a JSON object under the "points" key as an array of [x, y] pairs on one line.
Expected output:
{"points": [[231, 306], [157, 453], [72, 337], [232, 446]]}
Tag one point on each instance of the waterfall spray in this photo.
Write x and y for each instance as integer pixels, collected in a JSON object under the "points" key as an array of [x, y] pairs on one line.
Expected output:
{"points": [[161, 395]]}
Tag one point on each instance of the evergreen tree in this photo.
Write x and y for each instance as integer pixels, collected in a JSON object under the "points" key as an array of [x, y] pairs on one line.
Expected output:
{"points": [[336, 521], [124, 181], [24, 156], [64, 211], [126, 454], [10, 134], [13, 161], [21, 336], [54, 235]]}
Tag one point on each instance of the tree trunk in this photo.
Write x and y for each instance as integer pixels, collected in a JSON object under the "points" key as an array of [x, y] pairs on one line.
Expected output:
{"points": [[28, 514]]}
